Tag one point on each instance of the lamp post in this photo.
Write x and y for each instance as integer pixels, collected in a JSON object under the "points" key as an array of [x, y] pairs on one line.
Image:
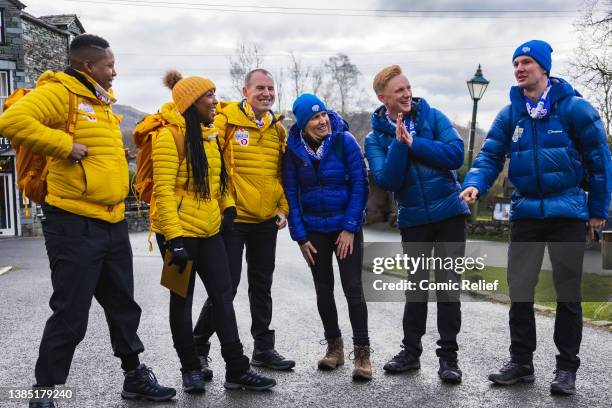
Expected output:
{"points": [[477, 87]]}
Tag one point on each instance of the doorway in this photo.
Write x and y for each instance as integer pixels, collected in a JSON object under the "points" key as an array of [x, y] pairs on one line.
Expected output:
{"points": [[7, 203]]}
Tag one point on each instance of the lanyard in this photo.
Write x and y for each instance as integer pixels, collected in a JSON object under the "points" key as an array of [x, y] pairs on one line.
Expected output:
{"points": [[541, 108]]}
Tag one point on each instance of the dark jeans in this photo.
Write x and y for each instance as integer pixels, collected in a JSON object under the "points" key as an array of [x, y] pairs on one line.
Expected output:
{"points": [[427, 237], [87, 257], [524, 264], [260, 242], [210, 264], [350, 276]]}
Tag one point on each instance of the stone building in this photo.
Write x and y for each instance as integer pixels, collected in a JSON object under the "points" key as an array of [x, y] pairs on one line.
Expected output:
{"points": [[29, 46]]}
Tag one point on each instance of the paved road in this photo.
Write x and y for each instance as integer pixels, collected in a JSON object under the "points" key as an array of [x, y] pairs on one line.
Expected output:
{"points": [[96, 374]]}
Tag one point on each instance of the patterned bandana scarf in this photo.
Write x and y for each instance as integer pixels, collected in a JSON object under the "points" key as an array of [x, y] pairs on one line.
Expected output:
{"points": [[318, 154], [540, 109], [264, 122], [103, 95]]}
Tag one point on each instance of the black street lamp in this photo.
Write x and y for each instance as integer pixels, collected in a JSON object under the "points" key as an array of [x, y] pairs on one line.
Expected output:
{"points": [[477, 87]]}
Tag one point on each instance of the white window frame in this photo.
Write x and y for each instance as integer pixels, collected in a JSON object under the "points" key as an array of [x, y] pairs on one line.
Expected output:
{"points": [[6, 79]]}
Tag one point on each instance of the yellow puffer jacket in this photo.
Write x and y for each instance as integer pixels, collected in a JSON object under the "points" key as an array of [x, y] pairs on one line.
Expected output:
{"points": [[97, 186], [176, 212], [253, 160]]}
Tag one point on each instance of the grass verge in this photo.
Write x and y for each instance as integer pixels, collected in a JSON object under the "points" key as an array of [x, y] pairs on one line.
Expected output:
{"points": [[596, 286]]}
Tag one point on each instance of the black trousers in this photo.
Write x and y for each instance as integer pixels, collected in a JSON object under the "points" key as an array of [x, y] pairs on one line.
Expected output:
{"points": [[565, 238], [211, 265], [420, 241], [260, 243], [350, 276], [88, 258]]}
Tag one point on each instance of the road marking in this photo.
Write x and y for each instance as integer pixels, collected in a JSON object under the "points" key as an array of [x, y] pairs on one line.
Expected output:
{"points": [[5, 269]]}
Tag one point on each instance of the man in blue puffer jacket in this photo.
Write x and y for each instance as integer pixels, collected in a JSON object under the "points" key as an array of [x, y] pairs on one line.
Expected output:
{"points": [[413, 150], [552, 137]]}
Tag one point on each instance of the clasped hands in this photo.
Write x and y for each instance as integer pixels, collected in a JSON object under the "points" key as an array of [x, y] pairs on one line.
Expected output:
{"points": [[401, 133]]}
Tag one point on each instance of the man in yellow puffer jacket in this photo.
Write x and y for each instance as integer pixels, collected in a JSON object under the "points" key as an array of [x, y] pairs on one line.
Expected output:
{"points": [[253, 142], [85, 232]]}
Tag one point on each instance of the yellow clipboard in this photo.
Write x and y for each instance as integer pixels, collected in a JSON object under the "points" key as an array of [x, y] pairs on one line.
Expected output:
{"points": [[171, 278]]}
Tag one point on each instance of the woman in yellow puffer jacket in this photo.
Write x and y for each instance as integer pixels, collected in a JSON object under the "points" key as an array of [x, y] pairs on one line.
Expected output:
{"points": [[189, 194]]}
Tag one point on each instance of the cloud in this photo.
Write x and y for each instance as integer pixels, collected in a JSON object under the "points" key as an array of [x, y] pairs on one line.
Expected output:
{"points": [[471, 5], [438, 54]]}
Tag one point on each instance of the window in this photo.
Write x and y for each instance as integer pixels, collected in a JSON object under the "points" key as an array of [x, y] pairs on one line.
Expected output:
{"points": [[5, 88]]}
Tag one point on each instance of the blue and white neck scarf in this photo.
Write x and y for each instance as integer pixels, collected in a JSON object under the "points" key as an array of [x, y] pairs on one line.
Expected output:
{"points": [[411, 127], [318, 154], [540, 109]]}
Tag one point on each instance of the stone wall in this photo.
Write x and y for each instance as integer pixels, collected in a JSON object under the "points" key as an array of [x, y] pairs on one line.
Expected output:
{"points": [[380, 206], [136, 222], [489, 228], [11, 51], [44, 49], [31, 226]]}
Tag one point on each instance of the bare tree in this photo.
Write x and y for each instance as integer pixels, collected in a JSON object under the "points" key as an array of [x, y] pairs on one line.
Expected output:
{"points": [[279, 81], [344, 76], [316, 79], [605, 21], [592, 61], [248, 57], [365, 103], [298, 73]]}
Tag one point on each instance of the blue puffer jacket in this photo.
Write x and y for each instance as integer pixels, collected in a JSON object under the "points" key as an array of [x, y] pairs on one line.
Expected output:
{"points": [[333, 197], [421, 176], [546, 163]]}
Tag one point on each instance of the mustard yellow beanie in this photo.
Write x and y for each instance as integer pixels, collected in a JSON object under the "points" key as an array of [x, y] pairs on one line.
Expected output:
{"points": [[185, 91]]}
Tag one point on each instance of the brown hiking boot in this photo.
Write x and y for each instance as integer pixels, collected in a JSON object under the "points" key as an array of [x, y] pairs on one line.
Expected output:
{"points": [[362, 366], [334, 356]]}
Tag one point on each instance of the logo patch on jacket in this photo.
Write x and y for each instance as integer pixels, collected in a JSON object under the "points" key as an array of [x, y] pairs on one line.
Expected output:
{"points": [[90, 113], [518, 132], [242, 137]]}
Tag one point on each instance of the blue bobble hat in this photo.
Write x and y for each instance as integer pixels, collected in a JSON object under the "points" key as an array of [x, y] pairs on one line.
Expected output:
{"points": [[305, 107], [539, 50]]}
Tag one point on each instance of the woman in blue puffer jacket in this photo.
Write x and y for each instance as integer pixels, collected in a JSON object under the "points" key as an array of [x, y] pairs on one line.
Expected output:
{"points": [[325, 182]]}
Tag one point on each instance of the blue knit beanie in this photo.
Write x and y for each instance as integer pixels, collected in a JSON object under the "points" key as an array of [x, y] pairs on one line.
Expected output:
{"points": [[305, 107], [539, 50]]}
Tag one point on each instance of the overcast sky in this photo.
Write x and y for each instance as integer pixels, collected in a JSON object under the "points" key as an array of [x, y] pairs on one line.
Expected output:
{"points": [[438, 52]]}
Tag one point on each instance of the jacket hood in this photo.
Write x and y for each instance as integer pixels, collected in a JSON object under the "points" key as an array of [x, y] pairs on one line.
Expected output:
{"points": [[338, 126], [380, 123], [172, 115], [560, 89], [70, 82]]}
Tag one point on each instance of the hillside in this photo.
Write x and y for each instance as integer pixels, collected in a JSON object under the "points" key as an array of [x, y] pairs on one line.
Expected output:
{"points": [[131, 117], [359, 124]]}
